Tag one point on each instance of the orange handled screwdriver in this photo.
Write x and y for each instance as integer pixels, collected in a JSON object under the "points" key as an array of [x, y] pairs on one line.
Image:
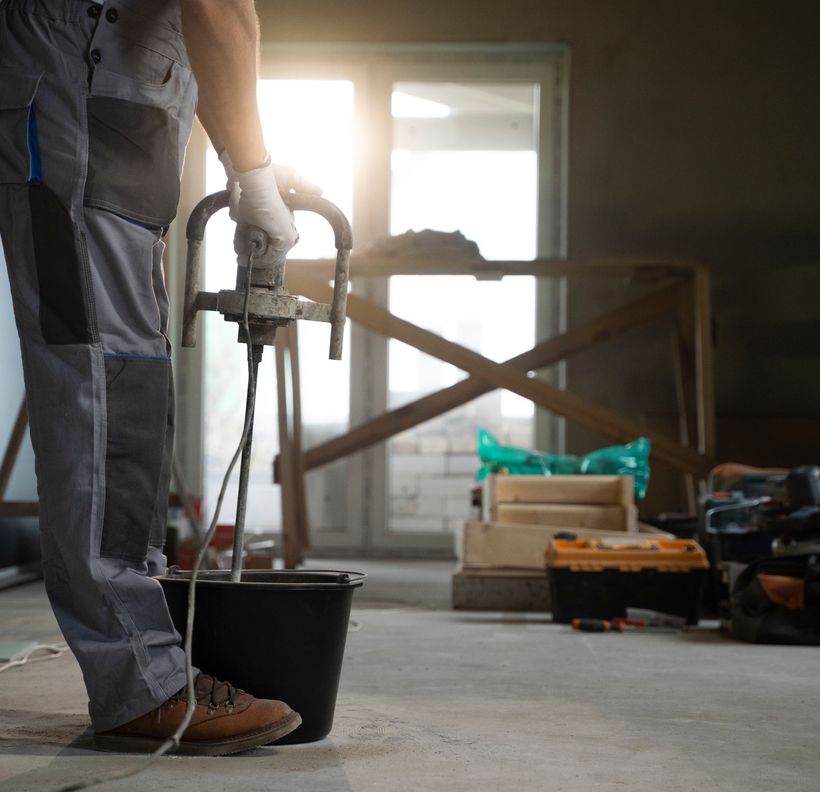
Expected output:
{"points": [[596, 625]]}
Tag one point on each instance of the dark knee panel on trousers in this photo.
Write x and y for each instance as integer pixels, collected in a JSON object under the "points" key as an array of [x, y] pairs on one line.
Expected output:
{"points": [[136, 452], [66, 308]]}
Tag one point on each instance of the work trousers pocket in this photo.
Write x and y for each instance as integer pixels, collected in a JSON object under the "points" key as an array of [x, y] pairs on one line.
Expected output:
{"points": [[133, 160], [136, 136], [19, 158], [137, 453]]}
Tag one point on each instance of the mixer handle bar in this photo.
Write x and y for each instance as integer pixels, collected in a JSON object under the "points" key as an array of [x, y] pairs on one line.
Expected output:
{"points": [[343, 237], [344, 244], [195, 232]]}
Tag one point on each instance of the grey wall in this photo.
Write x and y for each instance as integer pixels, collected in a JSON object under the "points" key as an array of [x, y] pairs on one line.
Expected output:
{"points": [[22, 485], [695, 129]]}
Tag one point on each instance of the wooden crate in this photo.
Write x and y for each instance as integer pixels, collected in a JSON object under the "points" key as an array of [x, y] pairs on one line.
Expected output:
{"points": [[573, 490], [598, 518]]}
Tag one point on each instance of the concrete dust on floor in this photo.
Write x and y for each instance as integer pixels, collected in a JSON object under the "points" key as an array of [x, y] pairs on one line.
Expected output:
{"points": [[432, 699]]}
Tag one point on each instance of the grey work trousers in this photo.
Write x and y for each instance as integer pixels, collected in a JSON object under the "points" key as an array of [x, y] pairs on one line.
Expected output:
{"points": [[96, 105]]}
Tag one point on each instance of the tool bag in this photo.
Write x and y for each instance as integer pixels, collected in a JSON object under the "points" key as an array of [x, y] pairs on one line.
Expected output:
{"points": [[777, 601]]}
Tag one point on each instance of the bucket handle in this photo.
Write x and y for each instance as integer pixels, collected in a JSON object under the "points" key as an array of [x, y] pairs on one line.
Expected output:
{"points": [[351, 578]]}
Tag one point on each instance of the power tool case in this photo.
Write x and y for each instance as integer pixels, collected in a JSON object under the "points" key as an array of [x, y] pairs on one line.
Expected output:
{"points": [[777, 601]]}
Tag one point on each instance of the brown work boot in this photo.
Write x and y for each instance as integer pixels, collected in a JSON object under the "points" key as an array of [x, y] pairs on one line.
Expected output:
{"points": [[226, 720]]}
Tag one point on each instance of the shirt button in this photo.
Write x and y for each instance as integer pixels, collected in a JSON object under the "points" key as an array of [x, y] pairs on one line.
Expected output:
{"points": [[96, 55], [112, 15], [94, 11]]}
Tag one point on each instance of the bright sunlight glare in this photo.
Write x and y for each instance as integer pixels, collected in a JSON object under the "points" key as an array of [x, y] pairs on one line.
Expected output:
{"points": [[308, 125]]}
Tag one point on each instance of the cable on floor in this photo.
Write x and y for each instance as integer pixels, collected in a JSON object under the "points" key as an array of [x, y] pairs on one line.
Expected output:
{"points": [[53, 652]]}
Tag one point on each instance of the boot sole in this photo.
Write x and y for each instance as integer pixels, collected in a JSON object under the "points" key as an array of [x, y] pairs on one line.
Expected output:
{"points": [[224, 747]]}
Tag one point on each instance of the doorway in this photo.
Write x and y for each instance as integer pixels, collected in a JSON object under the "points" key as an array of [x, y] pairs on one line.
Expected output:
{"points": [[470, 140]]}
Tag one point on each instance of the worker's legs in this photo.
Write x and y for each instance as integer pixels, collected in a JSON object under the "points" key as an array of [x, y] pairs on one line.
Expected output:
{"points": [[83, 253], [102, 432]]}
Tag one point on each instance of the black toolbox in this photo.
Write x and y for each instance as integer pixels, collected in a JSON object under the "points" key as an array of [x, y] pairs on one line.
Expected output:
{"points": [[598, 579]]}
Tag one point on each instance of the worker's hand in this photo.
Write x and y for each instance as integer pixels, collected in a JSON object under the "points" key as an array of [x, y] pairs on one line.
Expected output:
{"points": [[255, 199]]}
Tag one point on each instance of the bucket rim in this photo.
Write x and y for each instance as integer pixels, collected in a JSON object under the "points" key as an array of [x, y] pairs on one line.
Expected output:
{"points": [[336, 578]]}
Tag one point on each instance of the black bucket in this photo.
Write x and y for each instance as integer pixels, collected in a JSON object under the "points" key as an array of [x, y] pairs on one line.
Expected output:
{"points": [[276, 634]]}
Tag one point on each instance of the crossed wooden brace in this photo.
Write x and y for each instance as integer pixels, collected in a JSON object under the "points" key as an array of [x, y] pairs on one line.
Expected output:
{"points": [[513, 375]]}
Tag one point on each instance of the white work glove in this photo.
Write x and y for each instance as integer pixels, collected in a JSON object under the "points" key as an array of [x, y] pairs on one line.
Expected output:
{"points": [[255, 199]]}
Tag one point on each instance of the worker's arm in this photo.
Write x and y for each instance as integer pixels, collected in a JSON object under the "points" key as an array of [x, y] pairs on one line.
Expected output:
{"points": [[222, 37]]}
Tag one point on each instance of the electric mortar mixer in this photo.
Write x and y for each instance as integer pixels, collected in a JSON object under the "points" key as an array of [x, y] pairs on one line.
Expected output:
{"points": [[276, 633], [260, 304]]}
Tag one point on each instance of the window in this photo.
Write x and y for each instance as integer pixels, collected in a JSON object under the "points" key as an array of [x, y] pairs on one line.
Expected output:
{"points": [[464, 159]]}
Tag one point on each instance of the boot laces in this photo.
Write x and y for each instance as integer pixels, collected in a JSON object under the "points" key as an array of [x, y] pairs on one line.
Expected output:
{"points": [[211, 692]]}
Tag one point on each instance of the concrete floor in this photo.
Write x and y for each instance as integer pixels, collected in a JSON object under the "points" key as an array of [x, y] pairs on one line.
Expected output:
{"points": [[432, 699]]}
